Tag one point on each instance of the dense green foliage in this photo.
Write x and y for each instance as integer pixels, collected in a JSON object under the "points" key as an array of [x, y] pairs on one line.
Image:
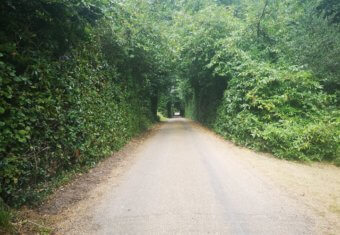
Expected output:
{"points": [[263, 73], [79, 78]]}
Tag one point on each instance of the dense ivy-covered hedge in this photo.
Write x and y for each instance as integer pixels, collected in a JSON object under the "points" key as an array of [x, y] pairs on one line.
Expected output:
{"points": [[49, 123], [75, 86]]}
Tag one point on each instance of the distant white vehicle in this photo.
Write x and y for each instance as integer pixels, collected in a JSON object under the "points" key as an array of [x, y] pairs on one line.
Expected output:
{"points": [[177, 114]]}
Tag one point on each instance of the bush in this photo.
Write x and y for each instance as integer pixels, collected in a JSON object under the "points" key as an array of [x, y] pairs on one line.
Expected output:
{"points": [[283, 111]]}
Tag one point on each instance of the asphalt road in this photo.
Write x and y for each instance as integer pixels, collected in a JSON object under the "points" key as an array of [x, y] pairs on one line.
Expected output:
{"points": [[185, 181]]}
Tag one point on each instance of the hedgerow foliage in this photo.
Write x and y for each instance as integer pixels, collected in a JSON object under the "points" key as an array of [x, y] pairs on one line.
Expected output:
{"points": [[77, 80], [280, 110], [264, 74]]}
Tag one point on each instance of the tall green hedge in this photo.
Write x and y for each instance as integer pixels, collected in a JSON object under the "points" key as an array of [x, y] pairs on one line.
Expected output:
{"points": [[74, 87]]}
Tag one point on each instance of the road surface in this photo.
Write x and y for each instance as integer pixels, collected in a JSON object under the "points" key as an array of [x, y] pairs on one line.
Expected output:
{"points": [[185, 181]]}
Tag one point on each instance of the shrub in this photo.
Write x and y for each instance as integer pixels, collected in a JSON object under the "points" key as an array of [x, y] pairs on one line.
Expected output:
{"points": [[282, 110]]}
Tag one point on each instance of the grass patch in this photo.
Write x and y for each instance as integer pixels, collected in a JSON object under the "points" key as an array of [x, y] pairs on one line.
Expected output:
{"points": [[337, 162], [6, 217], [161, 117]]}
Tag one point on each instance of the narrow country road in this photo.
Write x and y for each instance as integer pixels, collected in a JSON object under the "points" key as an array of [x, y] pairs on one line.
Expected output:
{"points": [[185, 181]]}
